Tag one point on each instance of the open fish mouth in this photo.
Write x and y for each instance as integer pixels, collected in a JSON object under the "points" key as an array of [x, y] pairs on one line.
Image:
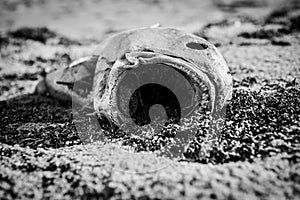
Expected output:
{"points": [[158, 80]]}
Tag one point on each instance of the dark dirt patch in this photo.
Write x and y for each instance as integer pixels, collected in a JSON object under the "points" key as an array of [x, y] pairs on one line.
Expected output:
{"points": [[263, 33], [232, 6], [3, 41], [40, 34], [23, 76], [287, 19], [36, 121], [246, 31], [258, 124]]}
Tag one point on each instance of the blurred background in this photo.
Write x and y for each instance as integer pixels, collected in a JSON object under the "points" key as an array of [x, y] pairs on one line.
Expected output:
{"points": [[91, 19]]}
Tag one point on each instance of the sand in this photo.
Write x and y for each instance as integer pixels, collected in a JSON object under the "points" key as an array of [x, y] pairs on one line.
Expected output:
{"points": [[257, 154]]}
